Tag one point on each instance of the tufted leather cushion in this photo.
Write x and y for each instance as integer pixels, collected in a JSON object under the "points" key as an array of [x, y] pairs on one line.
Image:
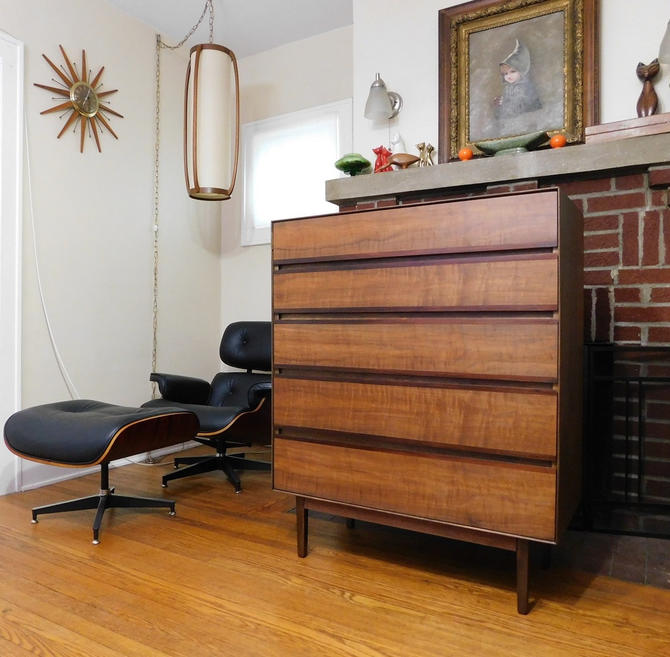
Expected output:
{"points": [[77, 432], [247, 346], [211, 418]]}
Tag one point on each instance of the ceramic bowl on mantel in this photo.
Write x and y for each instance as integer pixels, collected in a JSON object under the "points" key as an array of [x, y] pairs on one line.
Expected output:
{"points": [[510, 145]]}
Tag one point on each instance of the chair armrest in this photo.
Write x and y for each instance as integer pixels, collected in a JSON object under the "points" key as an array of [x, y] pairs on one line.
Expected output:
{"points": [[259, 391], [182, 389]]}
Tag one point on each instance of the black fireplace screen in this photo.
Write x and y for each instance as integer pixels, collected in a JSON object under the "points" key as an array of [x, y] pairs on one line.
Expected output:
{"points": [[627, 439]]}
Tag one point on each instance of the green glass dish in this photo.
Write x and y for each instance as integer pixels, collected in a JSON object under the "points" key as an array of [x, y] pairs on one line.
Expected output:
{"points": [[516, 144]]}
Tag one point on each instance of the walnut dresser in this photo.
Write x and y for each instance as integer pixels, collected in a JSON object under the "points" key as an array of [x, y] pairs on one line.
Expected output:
{"points": [[427, 368]]}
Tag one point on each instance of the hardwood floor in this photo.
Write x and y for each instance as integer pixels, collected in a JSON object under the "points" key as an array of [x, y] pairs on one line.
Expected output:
{"points": [[222, 578]]}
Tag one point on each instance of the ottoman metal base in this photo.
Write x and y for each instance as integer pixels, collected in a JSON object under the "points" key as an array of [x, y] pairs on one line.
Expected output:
{"points": [[106, 499]]}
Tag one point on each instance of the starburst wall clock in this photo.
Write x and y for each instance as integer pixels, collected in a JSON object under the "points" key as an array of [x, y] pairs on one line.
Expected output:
{"points": [[84, 100]]}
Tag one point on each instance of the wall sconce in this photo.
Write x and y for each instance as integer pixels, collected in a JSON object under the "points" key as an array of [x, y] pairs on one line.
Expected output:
{"points": [[211, 122], [381, 103]]}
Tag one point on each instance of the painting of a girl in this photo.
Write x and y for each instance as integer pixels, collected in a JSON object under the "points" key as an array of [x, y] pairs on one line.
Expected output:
{"points": [[519, 93]]}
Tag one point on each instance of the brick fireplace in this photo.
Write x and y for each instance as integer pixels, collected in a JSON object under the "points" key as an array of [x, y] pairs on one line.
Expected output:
{"points": [[622, 189]]}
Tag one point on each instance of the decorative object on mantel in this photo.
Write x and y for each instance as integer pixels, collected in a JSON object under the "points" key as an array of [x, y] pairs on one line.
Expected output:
{"points": [[645, 125], [558, 141], [477, 43], [397, 144], [83, 94], [510, 145], [353, 164], [648, 100], [425, 154], [403, 160], [381, 163], [663, 84], [465, 154]]}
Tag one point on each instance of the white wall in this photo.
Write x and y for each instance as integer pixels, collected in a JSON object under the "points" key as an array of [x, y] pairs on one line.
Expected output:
{"points": [[399, 39], [631, 33], [93, 217], [298, 75]]}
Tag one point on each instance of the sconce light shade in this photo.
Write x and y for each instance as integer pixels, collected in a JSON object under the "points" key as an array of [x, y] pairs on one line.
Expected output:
{"points": [[381, 103], [211, 122]]}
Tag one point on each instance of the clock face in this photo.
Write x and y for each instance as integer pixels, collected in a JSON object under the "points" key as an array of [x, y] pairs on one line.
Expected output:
{"points": [[83, 98]]}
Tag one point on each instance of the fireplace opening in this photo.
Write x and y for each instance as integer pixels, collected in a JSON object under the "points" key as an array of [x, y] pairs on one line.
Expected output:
{"points": [[627, 440]]}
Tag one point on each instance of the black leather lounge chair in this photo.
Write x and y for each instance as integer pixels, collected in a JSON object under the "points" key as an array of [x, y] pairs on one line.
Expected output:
{"points": [[233, 410]]}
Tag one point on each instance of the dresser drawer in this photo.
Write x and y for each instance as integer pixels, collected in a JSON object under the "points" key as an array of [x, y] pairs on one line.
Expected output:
{"points": [[529, 283], [495, 496], [512, 349], [492, 223], [515, 422]]}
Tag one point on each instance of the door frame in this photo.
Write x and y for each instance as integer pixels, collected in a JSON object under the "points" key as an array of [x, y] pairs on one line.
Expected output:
{"points": [[11, 195]]}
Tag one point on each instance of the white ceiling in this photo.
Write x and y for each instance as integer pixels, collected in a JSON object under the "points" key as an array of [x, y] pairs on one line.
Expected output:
{"points": [[244, 26]]}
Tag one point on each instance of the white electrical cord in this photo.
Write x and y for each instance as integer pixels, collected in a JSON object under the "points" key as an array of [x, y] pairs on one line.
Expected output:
{"points": [[72, 390]]}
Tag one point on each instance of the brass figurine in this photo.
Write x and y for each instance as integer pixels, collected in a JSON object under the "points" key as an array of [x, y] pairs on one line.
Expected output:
{"points": [[425, 154]]}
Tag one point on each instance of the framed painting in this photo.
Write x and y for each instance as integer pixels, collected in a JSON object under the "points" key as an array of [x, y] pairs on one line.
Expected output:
{"points": [[515, 67]]}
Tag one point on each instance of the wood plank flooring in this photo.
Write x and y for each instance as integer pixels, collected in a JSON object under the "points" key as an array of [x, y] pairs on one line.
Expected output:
{"points": [[222, 578]]}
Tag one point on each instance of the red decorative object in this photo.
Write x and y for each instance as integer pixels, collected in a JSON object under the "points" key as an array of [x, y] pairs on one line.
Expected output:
{"points": [[382, 161], [558, 141], [465, 154]]}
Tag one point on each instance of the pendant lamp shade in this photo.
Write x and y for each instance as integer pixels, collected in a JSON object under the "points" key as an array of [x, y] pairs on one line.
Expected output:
{"points": [[212, 122]]}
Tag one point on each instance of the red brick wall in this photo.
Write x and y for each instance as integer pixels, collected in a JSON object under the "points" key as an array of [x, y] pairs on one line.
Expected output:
{"points": [[626, 256]]}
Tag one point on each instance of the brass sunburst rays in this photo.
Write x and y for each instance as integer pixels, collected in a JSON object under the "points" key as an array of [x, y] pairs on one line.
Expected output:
{"points": [[84, 99]]}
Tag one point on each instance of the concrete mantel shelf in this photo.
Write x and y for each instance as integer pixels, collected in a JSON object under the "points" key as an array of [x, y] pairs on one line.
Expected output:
{"points": [[577, 160]]}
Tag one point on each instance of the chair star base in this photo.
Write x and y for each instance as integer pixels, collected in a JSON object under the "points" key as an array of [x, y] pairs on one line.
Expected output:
{"points": [[226, 463]]}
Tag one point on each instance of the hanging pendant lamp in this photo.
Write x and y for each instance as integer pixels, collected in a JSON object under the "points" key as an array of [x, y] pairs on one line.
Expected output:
{"points": [[211, 122]]}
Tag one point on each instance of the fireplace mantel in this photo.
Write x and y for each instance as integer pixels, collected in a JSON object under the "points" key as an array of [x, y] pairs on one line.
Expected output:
{"points": [[576, 161]]}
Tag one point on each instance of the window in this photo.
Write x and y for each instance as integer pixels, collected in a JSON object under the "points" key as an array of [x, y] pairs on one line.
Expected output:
{"points": [[285, 162]]}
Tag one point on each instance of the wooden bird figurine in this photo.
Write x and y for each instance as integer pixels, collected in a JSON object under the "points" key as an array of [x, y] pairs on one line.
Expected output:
{"points": [[402, 160], [648, 100]]}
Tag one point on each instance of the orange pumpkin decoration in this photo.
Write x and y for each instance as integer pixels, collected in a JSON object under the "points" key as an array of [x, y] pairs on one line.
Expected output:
{"points": [[465, 153], [558, 141]]}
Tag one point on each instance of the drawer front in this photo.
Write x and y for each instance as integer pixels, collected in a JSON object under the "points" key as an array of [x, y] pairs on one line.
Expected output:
{"points": [[496, 284], [495, 496], [506, 422], [480, 224], [469, 348]]}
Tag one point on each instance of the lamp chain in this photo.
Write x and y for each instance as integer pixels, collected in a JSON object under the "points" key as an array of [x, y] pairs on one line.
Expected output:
{"points": [[154, 314], [156, 197], [208, 7], [155, 212]]}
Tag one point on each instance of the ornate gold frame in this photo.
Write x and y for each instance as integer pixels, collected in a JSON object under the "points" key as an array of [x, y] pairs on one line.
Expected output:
{"points": [[579, 55]]}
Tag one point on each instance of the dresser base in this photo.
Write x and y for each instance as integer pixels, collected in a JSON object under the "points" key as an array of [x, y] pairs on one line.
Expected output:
{"points": [[520, 546]]}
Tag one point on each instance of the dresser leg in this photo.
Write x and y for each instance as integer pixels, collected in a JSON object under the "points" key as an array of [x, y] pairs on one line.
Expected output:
{"points": [[522, 576], [302, 517]]}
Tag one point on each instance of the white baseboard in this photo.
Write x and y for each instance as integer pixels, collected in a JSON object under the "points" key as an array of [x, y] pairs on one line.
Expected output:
{"points": [[73, 473]]}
